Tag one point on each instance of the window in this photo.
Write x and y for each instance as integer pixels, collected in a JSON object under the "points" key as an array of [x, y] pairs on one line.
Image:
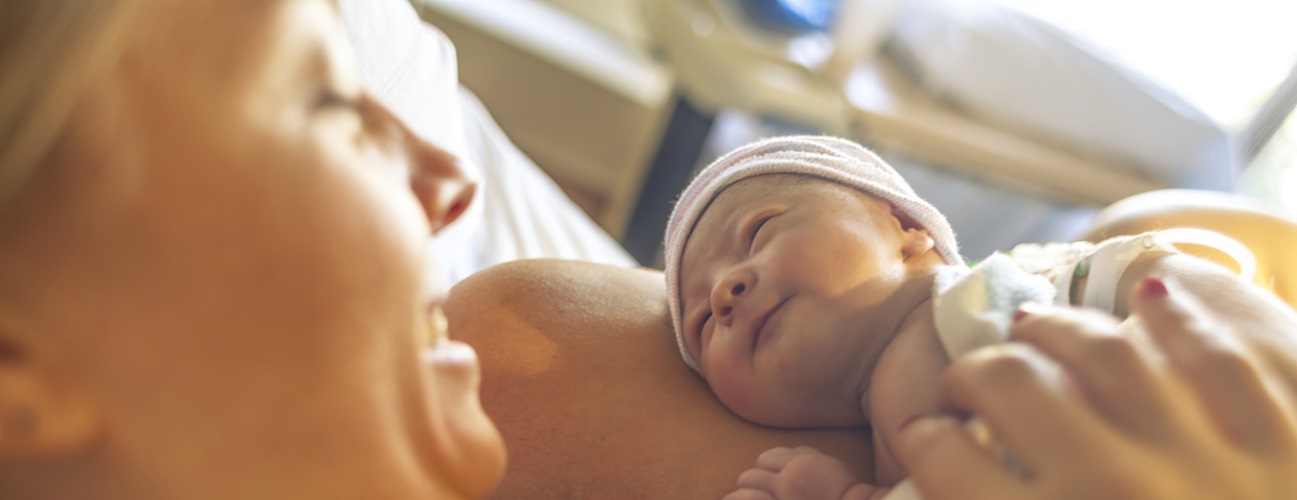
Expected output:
{"points": [[1226, 57]]}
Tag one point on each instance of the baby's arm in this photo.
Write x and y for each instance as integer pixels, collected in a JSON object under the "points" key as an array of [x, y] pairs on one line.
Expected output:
{"points": [[801, 473]]}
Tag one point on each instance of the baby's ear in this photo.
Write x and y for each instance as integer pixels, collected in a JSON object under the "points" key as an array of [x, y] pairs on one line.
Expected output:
{"points": [[917, 241], [42, 414], [907, 221]]}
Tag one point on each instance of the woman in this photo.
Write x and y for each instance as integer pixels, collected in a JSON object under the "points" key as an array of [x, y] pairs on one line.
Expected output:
{"points": [[213, 282], [212, 263]]}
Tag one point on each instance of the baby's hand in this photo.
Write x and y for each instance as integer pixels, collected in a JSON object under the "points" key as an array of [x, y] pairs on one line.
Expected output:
{"points": [[801, 474]]}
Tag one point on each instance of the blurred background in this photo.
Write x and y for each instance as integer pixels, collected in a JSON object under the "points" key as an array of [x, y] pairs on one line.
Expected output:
{"points": [[1019, 119]]}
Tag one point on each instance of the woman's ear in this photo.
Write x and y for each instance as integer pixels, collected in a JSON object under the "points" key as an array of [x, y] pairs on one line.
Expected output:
{"points": [[41, 413]]}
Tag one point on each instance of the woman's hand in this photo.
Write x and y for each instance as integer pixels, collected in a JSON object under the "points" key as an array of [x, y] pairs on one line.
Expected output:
{"points": [[1205, 421]]}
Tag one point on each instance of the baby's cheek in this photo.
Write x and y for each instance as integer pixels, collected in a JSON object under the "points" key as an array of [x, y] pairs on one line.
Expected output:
{"points": [[739, 396]]}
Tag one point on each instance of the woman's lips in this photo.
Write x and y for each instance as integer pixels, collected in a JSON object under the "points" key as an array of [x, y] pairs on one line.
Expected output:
{"points": [[450, 352]]}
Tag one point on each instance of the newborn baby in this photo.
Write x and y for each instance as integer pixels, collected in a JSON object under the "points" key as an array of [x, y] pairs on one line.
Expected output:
{"points": [[811, 287]]}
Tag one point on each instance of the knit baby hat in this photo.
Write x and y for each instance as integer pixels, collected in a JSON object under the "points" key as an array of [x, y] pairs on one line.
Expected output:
{"points": [[823, 157]]}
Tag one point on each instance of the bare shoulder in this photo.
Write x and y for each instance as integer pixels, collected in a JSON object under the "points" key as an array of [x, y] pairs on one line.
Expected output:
{"points": [[581, 373]]}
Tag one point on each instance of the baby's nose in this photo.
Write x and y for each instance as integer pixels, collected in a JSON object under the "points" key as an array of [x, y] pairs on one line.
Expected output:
{"points": [[726, 296]]}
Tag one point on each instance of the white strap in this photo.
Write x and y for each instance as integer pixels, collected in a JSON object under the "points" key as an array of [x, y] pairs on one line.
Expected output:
{"points": [[1111, 258], [1229, 246], [1063, 284], [1108, 262]]}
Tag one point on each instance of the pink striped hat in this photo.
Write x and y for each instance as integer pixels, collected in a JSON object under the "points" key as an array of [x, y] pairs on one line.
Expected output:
{"points": [[828, 158]]}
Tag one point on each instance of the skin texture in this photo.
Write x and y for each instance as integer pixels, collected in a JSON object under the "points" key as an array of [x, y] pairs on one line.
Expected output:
{"points": [[792, 292], [850, 341], [216, 285], [582, 375]]}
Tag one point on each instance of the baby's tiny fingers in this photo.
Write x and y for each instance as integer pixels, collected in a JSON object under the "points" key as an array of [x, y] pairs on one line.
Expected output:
{"points": [[757, 479], [748, 494], [776, 458]]}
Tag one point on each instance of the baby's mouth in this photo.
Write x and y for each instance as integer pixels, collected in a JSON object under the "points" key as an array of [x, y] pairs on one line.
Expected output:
{"points": [[758, 327]]}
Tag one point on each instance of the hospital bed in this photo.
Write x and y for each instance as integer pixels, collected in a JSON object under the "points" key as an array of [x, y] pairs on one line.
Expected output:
{"points": [[835, 83], [1000, 187]]}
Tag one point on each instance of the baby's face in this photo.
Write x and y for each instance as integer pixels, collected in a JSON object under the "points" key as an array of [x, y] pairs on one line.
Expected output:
{"points": [[791, 290]]}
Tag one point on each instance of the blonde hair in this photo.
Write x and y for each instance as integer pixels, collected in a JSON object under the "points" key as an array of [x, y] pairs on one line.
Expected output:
{"points": [[50, 50]]}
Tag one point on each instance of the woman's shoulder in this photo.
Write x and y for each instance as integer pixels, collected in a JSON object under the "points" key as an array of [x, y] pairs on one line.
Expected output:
{"points": [[581, 374]]}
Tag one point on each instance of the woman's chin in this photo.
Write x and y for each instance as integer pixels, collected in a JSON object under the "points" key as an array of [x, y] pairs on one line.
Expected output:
{"points": [[481, 460], [471, 450]]}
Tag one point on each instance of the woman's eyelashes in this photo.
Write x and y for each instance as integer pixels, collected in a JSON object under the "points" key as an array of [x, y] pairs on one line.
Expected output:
{"points": [[368, 127], [331, 100]]}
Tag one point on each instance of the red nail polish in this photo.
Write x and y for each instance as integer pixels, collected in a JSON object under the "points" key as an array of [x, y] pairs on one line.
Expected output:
{"points": [[1153, 288], [1020, 315], [908, 420]]}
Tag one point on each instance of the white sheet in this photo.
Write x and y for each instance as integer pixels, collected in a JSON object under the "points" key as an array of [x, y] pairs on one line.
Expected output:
{"points": [[519, 212]]}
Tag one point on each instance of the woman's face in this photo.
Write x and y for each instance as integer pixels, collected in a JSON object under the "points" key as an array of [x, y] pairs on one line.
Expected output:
{"points": [[225, 258]]}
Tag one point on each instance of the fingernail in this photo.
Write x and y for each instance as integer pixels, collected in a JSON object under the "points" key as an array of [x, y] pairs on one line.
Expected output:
{"points": [[1025, 309], [1152, 288]]}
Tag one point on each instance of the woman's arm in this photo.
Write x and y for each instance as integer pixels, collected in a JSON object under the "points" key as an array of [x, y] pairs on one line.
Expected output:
{"points": [[581, 373]]}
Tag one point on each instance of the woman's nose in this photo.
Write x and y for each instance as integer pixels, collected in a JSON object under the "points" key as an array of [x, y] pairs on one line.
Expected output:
{"points": [[728, 293], [439, 183]]}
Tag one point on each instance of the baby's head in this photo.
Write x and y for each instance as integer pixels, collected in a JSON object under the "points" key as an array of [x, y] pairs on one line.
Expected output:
{"points": [[790, 263]]}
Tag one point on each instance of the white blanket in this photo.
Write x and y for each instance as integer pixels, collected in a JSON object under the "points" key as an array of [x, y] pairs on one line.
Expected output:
{"points": [[519, 212]]}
